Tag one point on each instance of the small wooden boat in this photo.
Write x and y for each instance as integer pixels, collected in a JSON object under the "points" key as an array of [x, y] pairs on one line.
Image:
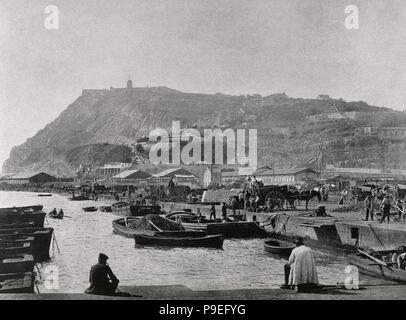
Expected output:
{"points": [[35, 217], [212, 241], [79, 198], [22, 209], [55, 216], [105, 208], [17, 264], [241, 229], [41, 244], [123, 226], [17, 282], [368, 266], [89, 209], [121, 208], [138, 211], [17, 225], [10, 249], [279, 247], [45, 195]]}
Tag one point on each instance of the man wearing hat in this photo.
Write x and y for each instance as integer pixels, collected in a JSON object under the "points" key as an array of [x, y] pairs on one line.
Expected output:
{"points": [[301, 268], [102, 279], [386, 206]]}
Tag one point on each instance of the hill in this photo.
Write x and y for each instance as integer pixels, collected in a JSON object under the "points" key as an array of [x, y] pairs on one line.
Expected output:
{"points": [[102, 126]]}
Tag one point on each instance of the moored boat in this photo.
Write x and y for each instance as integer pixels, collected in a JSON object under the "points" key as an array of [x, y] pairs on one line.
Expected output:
{"points": [[279, 247], [105, 208], [89, 209], [121, 208], [241, 229], [37, 207], [41, 244], [127, 228], [17, 264], [365, 265], [79, 198], [13, 248], [211, 241], [16, 217], [17, 282], [123, 226], [45, 195]]}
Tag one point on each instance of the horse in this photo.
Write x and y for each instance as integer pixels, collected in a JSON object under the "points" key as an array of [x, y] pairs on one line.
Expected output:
{"points": [[305, 195]]}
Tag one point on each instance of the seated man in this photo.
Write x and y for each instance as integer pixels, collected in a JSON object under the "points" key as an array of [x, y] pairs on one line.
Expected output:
{"points": [[102, 279], [301, 268], [60, 214]]}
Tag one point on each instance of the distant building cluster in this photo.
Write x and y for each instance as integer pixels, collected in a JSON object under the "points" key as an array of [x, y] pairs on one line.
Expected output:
{"points": [[389, 133]]}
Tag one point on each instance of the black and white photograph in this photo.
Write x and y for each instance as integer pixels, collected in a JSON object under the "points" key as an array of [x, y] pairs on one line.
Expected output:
{"points": [[202, 150]]}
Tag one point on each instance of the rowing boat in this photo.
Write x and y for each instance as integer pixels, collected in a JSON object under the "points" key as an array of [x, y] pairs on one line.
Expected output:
{"points": [[121, 208], [124, 227], [16, 217], [89, 209], [17, 282], [212, 241], [37, 207], [41, 244], [17, 264], [13, 248], [241, 229], [385, 270], [279, 247], [45, 195]]}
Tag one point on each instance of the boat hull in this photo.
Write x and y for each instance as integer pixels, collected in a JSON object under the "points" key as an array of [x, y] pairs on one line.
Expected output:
{"points": [[10, 249], [17, 264], [41, 244], [366, 266], [279, 247], [22, 209], [37, 218], [212, 241], [17, 282], [237, 229]]}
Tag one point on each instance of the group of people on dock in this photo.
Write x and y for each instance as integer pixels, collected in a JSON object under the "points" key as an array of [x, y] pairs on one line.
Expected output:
{"points": [[385, 205]]}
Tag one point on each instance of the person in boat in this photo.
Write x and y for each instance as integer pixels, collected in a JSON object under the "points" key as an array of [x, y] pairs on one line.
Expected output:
{"points": [[385, 206], [53, 213], [213, 213], [301, 267], [60, 214], [102, 279], [368, 207]]}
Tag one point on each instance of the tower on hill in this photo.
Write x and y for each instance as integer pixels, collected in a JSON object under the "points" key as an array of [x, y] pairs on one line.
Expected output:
{"points": [[129, 84]]}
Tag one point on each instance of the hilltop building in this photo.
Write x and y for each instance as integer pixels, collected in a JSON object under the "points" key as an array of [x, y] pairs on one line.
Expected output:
{"points": [[129, 84]]}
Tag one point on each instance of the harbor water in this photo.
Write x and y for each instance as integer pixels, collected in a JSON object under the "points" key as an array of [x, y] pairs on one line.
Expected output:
{"points": [[82, 235]]}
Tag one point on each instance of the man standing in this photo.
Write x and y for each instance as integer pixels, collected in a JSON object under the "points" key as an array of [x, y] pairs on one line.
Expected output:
{"points": [[301, 268], [385, 206], [213, 213], [368, 207], [102, 279], [224, 212]]}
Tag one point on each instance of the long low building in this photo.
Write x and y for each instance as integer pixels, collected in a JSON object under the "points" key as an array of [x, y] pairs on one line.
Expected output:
{"points": [[132, 176], [28, 178]]}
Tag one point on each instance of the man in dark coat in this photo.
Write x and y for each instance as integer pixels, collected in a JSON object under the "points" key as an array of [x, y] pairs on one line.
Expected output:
{"points": [[102, 279]]}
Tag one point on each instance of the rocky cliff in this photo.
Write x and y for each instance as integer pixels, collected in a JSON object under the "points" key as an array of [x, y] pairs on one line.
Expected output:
{"points": [[101, 125]]}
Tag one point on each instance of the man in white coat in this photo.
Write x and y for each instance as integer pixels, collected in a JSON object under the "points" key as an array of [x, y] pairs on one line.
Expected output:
{"points": [[301, 268]]}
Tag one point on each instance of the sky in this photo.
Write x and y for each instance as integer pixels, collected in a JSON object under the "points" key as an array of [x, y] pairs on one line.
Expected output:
{"points": [[208, 46]]}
